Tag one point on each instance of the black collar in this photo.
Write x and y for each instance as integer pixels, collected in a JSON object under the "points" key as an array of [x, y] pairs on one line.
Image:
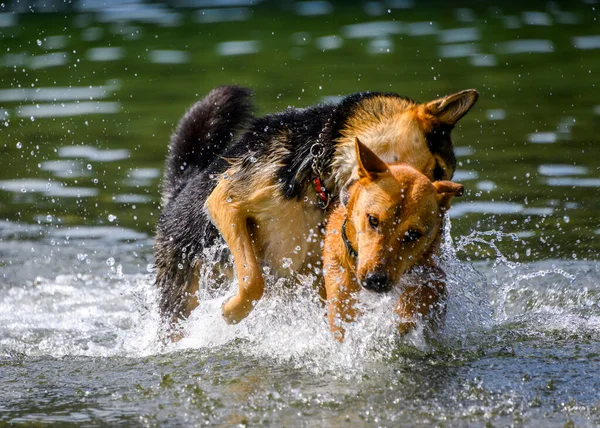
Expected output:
{"points": [[349, 248]]}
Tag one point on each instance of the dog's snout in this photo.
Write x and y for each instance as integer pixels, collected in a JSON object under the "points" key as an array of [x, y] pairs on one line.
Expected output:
{"points": [[376, 281]]}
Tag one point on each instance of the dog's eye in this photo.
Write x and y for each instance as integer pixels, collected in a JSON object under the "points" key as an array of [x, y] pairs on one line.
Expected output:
{"points": [[373, 221], [412, 235]]}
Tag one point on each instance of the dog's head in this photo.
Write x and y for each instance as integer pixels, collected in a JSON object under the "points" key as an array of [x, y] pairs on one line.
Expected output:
{"points": [[394, 217], [399, 129]]}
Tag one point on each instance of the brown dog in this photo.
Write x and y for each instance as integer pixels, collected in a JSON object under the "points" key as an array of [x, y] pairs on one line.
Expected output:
{"points": [[263, 186], [389, 221]]}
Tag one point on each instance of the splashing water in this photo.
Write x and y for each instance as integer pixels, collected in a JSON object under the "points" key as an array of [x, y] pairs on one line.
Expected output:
{"points": [[104, 312], [114, 314]]}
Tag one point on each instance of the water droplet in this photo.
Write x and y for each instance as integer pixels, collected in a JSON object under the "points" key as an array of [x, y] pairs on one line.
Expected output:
{"points": [[39, 42], [112, 217], [110, 261], [150, 268], [19, 145], [286, 263], [89, 166], [228, 200], [32, 118], [49, 217]]}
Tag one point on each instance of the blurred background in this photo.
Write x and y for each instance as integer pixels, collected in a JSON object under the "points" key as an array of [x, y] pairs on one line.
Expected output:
{"points": [[91, 90]]}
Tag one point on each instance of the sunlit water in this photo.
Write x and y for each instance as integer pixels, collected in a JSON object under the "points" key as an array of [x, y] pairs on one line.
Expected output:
{"points": [[88, 98], [520, 341]]}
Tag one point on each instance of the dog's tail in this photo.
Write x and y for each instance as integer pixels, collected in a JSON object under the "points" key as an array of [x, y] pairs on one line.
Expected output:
{"points": [[205, 131]]}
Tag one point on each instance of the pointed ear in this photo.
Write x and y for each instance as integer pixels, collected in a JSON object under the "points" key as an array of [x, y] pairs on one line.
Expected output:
{"points": [[451, 108], [447, 190], [369, 164]]}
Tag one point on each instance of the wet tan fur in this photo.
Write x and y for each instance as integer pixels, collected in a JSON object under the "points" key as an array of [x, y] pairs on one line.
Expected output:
{"points": [[261, 226], [403, 200]]}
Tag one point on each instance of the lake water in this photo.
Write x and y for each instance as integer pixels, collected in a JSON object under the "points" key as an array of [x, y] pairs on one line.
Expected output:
{"points": [[88, 98]]}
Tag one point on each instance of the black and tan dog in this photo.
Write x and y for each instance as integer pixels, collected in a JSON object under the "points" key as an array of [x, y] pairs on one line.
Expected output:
{"points": [[264, 184], [388, 222]]}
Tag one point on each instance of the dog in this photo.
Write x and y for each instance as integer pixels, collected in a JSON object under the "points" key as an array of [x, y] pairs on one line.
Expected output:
{"points": [[386, 223], [263, 186]]}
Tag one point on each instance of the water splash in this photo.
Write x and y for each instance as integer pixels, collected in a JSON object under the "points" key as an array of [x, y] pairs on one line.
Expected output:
{"points": [[107, 312]]}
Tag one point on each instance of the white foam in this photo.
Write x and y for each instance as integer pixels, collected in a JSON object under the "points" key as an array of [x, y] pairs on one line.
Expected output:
{"points": [[105, 54], [92, 153], [55, 59], [459, 50], [64, 168], [460, 35], [47, 187], [245, 47], [169, 57], [8, 20], [140, 12], [558, 170], [464, 175], [328, 43], [485, 207], [536, 18], [463, 151], [58, 93], [496, 114], [574, 182], [484, 60], [68, 109], [542, 137], [586, 42], [313, 8], [211, 16], [380, 45], [371, 29]]}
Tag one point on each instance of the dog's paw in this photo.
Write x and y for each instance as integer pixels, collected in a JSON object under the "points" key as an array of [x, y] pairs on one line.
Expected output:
{"points": [[236, 309]]}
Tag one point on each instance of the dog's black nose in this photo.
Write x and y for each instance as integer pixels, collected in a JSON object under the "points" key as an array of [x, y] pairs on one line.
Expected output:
{"points": [[376, 281]]}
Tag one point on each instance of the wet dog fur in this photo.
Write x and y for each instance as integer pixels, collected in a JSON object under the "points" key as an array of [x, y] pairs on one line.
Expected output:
{"points": [[387, 222], [247, 182]]}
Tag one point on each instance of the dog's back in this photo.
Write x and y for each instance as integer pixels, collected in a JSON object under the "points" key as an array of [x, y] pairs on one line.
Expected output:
{"points": [[205, 131]]}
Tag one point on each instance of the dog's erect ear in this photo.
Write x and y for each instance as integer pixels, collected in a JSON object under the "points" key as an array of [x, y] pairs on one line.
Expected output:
{"points": [[369, 164], [451, 108], [447, 190]]}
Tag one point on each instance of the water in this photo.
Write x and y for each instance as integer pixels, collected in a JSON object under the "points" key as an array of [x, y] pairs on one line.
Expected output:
{"points": [[87, 102]]}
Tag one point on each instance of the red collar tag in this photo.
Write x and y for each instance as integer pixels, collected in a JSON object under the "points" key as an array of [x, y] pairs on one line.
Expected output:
{"points": [[322, 193]]}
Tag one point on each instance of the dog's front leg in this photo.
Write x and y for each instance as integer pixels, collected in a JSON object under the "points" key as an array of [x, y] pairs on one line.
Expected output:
{"points": [[424, 301], [233, 225], [341, 289]]}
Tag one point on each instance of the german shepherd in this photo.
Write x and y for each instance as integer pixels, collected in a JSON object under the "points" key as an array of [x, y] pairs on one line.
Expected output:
{"points": [[263, 185], [388, 222]]}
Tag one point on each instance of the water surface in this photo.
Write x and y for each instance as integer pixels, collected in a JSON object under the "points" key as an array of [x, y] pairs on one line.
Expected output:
{"points": [[89, 95]]}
